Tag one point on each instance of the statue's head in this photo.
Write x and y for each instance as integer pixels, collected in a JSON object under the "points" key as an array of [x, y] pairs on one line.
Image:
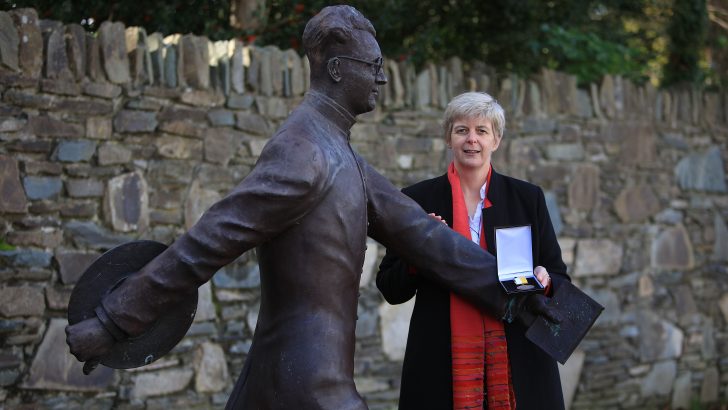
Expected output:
{"points": [[345, 59]]}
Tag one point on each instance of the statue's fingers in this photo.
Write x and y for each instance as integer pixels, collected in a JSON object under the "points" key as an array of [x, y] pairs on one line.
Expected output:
{"points": [[90, 365]]}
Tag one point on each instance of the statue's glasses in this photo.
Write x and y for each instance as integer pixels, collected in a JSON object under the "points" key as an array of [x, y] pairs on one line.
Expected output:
{"points": [[377, 64]]}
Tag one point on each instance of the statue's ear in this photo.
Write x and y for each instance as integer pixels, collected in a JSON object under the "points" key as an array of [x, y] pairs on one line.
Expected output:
{"points": [[333, 69]]}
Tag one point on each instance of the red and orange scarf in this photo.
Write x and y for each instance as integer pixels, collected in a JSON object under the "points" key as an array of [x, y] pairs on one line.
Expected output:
{"points": [[478, 340]]}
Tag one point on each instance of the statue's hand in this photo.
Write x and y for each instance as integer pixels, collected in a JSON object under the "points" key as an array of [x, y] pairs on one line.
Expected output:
{"points": [[538, 304], [89, 341], [527, 307]]}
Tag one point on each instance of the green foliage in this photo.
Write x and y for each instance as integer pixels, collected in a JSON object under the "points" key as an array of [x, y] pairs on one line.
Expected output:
{"points": [[589, 57], [4, 246], [686, 31]]}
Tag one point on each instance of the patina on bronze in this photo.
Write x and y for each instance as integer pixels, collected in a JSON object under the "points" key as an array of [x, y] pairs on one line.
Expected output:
{"points": [[103, 276], [308, 206]]}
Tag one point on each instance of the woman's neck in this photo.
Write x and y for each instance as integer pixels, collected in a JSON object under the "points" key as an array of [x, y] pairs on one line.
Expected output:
{"points": [[471, 180]]}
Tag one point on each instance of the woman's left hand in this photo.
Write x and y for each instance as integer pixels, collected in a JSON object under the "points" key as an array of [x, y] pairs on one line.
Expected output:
{"points": [[542, 275]]}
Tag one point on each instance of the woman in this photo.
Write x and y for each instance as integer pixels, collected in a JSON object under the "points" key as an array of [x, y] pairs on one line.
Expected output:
{"points": [[455, 356]]}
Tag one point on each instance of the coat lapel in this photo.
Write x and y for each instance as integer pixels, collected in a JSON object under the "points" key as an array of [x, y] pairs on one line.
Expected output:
{"points": [[494, 216]]}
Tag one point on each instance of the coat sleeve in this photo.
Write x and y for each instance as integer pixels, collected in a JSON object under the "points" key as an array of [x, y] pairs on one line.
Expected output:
{"points": [[449, 259], [394, 279], [286, 183]]}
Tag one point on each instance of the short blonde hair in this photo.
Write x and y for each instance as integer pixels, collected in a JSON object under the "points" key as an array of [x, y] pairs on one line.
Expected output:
{"points": [[473, 105]]}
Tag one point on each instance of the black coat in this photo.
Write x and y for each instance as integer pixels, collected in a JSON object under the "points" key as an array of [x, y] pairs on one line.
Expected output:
{"points": [[426, 373]]}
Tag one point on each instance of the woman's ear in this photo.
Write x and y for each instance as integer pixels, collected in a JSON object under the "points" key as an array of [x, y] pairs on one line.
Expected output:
{"points": [[333, 69]]}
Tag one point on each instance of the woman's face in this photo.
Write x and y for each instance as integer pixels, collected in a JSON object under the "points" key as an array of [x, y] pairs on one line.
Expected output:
{"points": [[473, 140]]}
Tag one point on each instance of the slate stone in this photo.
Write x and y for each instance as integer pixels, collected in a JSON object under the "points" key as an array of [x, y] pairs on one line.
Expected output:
{"points": [[197, 202], [111, 154], [25, 259], [127, 202], [702, 172], [295, 68], [133, 121], [42, 187], [394, 327], [176, 113], [171, 63], [240, 102], [252, 78], [723, 304], [598, 257], [221, 118], [584, 188], [12, 195], [178, 148], [56, 58], [202, 98], [57, 298], [220, 146], [672, 249], [112, 43], [552, 205], [366, 323], [139, 59], [659, 339], [89, 234], [570, 374], [85, 108], [160, 383], [371, 259], [54, 368], [184, 128], [21, 301], [536, 125], [76, 50], [44, 126], [98, 127], [23, 99], [75, 151], [211, 372], [46, 237], [47, 168], [84, 188], [103, 90], [720, 246], [636, 203], [195, 60], [12, 124], [275, 108], [30, 46], [233, 277], [9, 42], [682, 391], [422, 90], [94, 66], [156, 48], [205, 305], [252, 123], [565, 152], [660, 379], [237, 67], [78, 209]]}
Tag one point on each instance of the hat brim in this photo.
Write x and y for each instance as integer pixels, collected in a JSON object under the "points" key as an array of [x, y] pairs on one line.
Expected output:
{"points": [[107, 272]]}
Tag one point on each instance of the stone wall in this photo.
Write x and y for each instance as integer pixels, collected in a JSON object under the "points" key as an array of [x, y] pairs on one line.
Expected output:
{"points": [[123, 134]]}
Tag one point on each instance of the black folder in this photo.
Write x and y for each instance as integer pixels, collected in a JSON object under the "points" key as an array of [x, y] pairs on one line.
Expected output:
{"points": [[578, 312]]}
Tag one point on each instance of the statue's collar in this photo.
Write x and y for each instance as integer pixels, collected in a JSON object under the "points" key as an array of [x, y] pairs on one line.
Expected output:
{"points": [[332, 110]]}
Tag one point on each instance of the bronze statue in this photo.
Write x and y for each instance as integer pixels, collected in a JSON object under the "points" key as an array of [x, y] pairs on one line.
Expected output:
{"points": [[308, 206]]}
